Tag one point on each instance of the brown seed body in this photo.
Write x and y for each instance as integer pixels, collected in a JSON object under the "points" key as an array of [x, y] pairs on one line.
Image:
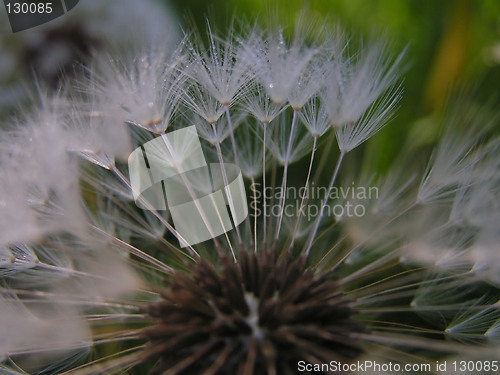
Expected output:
{"points": [[260, 316]]}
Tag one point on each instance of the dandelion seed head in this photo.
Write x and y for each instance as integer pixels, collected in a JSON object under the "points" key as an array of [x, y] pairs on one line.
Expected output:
{"points": [[277, 310], [83, 242]]}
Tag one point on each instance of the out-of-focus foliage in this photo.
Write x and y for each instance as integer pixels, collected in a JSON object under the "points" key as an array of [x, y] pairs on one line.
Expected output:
{"points": [[451, 44]]}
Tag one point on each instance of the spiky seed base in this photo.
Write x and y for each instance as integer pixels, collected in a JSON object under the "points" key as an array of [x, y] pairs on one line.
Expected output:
{"points": [[259, 316]]}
